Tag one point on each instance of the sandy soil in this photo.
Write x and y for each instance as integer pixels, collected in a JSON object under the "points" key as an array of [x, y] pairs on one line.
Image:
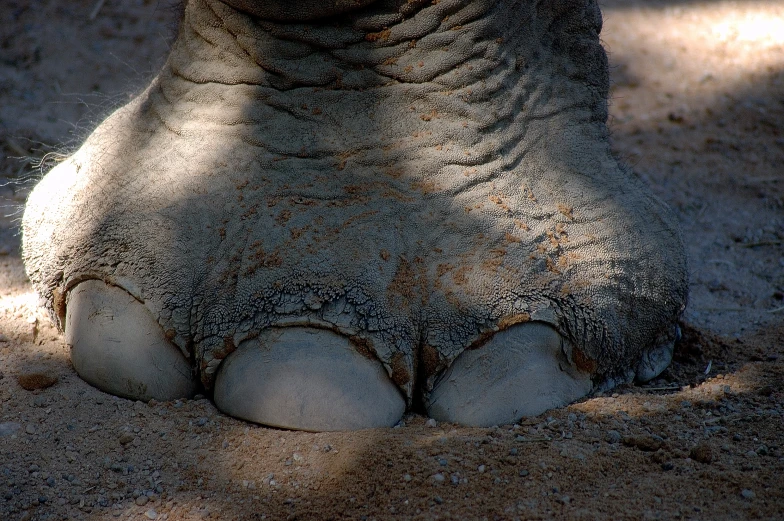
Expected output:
{"points": [[698, 110]]}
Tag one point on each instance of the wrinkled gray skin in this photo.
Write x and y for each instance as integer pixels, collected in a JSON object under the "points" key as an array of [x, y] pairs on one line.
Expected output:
{"points": [[327, 212]]}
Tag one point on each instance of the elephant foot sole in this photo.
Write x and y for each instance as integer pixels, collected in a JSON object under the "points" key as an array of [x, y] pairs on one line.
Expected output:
{"points": [[520, 371], [118, 347]]}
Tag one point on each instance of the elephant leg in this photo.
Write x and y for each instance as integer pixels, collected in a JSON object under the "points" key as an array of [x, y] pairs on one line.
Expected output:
{"points": [[117, 346], [521, 371], [307, 379]]}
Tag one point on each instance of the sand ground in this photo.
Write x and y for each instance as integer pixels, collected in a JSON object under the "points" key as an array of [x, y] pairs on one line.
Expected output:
{"points": [[697, 109]]}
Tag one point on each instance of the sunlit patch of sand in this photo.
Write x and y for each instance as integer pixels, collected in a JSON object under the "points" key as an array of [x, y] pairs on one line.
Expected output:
{"points": [[755, 27], [19, 309], [695, 52], [748, 379], [18, 301]]}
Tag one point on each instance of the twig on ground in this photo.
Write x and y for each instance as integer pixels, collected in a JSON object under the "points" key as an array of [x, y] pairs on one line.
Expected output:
{"points": [[752, 180], [763, 243], [96, 9], [16, 148], [721, 261]]}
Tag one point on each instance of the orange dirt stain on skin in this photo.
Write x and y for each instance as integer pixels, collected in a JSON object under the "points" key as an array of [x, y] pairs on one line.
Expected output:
{"points": [[553, 241], [400, 373], [381, 35], [520, 224], [429, 116], [401, 285], [566, 210], [441, 269], [496, 260], [425, 187], [363, 347], [342, 159], [430, 360], [459, 275], [296, 233], [511, 320], [551, 266], [283, 217], [499, 201], [583, 362]]}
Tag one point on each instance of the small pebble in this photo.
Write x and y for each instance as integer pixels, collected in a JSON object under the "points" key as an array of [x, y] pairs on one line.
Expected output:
{"points": [[431, 423], [30, 429], [141, 500], [702, 453], [643, 443], [9, 428], [613, 437], [33, 381], [126, 438], [438, 478], [748, 494], [151, 514], [481, 468]]}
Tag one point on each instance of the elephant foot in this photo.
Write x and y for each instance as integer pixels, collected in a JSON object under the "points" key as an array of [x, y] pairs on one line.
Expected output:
{"points": [[118, 347], [521, 371], [306, 379]]}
